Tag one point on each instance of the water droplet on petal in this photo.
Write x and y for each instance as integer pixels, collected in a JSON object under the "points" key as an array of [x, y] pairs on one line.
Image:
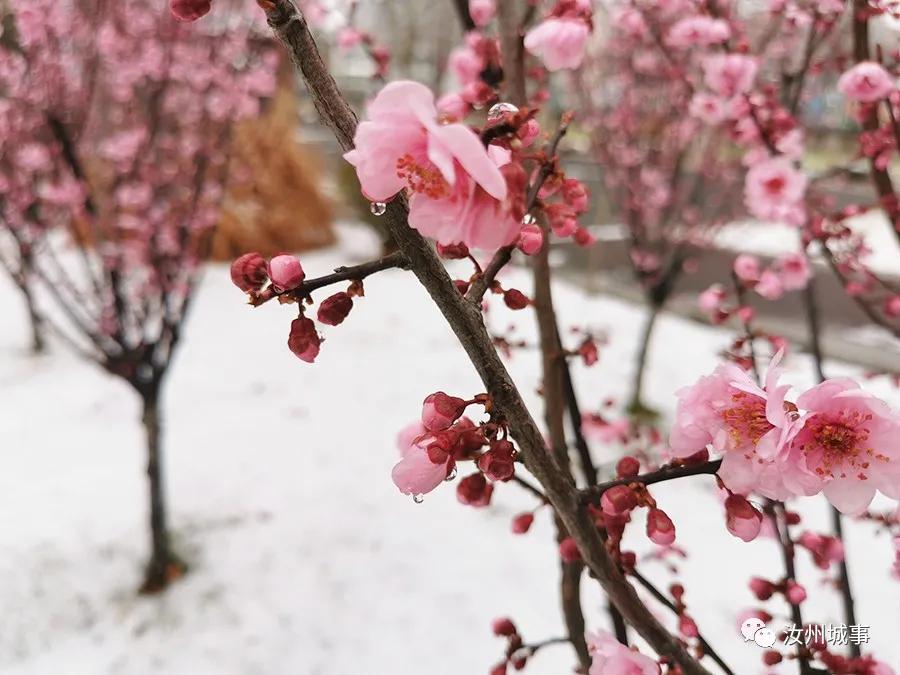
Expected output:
{"points": [[498, 110], [529, 219], [451, 475], [377, 208], [418, 499]]}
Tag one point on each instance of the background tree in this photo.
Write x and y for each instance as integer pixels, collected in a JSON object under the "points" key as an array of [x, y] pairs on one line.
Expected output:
{"points": [[114, 146]]}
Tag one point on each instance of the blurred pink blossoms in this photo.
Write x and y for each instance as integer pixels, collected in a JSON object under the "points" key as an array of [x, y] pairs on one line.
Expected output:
{"points": [[837, 439], [610, 657]]}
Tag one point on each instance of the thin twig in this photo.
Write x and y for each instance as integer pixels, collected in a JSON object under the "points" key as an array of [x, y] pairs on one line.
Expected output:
{"points": [[350, 273], [666, 473]]}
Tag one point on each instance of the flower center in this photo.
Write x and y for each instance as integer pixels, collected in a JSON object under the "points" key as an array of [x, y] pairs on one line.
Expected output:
{"points": [[843, 440], [746, 419], [423, 178], [774, 185]]}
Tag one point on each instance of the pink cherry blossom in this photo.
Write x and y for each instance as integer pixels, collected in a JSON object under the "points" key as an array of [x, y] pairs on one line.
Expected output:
{"points": [[610, 657], [698, 31], [850, 440], [729, 74], [770, 285], [793, 271], [746, 267], [708, 108], [866, 82], [417, 472], [457, 189], [286, 272], [482, 11], [711, 299], [773, 188], [559, 41], [465, 63]]}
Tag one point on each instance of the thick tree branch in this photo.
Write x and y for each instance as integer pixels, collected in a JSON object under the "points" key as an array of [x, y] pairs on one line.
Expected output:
{"points": [[467, 323]]}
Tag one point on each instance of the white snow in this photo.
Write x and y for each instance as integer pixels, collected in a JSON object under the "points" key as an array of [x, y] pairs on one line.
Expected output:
{"points": [[305, 560]]}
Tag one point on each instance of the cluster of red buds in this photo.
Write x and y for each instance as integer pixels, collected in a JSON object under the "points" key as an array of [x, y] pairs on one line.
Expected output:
{"points": [[282, 277], [516, 652], [445, 437]]}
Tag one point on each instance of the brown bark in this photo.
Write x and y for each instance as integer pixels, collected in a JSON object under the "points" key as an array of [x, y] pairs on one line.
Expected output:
{"points": [[467, 323]]}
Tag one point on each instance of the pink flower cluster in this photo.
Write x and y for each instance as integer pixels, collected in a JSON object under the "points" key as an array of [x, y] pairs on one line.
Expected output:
{"points": [[836, 439], [560, 39], [431, 448], [789, 272]]}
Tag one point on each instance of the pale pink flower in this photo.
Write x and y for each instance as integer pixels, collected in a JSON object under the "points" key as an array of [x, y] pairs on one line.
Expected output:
{"points": [[611, 657], [559, 42], [749, 425], [773, 188], [711, 299], [453, 107], [465, 64], [417, 473], [850, 441], [482, 11], [866, 82], [793, 270], [349, 37], [457, 189], [698, 31], [630, 21], [746, 267], [708, 108], [791, 144], [770, 285], [729, 74]]}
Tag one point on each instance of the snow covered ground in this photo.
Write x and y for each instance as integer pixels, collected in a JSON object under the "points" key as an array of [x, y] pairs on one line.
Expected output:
{"points": [[305, 560]]}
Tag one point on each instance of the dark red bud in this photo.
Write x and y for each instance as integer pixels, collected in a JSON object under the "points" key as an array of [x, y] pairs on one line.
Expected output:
{"points": [[334, 309], [249, 272], [515, 299]]}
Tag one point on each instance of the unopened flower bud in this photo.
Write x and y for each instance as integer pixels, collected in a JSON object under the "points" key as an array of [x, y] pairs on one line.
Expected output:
{"points": [[531, 239], [568, 550], [303, 339], [474, 491], [498, 463], [741, 518], [627, 467], [249, 272], [575, 195], [761, 588], [795, 593], [660, 527], [286, 272], [335, 308], [440, 410], [453, 251], [503, 627], [515, 299], [617, 500], [687, 626], [522, 523], [772, 658], [189, 10], [583, 237]]}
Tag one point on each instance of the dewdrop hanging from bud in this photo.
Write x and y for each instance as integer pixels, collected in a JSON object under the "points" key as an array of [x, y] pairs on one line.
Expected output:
{"points": [[377, 208], [500, 110]]}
